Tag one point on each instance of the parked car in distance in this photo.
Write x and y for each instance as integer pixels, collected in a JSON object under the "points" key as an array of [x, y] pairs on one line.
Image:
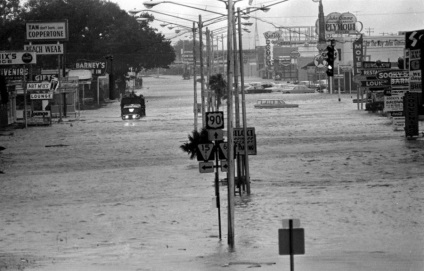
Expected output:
{"points": [[256, 87], [273, 103], [276, 88], [298, 89]]}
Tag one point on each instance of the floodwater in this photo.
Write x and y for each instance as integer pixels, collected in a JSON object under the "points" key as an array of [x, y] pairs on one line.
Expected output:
{"points": [[109, 194]]}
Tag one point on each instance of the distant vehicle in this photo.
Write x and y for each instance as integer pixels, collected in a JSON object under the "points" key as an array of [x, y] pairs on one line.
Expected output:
{"points": [[298, 89], [277, 88], [273, 103], [257, 87], [132, 107]]}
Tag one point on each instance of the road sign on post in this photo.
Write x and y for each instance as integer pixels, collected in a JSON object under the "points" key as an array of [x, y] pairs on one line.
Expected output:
{"points": [[215, 120], [291, 240], [205, 152]]}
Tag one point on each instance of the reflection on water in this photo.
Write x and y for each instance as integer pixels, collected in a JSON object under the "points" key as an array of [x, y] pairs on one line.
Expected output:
{"points": [[127, 124]]}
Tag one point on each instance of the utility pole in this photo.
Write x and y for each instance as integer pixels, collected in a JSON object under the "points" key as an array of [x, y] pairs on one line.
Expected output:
{"points": [[194, 77], [230, 136], [369, 30]]}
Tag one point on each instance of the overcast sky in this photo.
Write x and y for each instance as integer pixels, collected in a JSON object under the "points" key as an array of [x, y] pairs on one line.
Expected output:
{"points": [[377, 16]]}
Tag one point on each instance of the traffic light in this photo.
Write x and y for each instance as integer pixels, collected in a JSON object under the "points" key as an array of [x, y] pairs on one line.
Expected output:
{"points": [[401, 63], [330, 60]]}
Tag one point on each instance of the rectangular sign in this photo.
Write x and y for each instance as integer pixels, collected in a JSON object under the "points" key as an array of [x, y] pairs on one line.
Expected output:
{"points": [[38, 86], [96, 67], [57, 31], [376, 65], [393, 103], [45, 49], [17, 57], [206, 167], [398, 123], [297, 238], [41, 96], [238, 137], [15, 73]]}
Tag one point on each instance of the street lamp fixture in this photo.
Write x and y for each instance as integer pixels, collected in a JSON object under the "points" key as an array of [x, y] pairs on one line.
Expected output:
{"points": [[151, 4]]}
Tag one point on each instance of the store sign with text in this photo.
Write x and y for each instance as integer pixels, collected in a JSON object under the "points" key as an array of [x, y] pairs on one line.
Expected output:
{"points": [[341, 23]]}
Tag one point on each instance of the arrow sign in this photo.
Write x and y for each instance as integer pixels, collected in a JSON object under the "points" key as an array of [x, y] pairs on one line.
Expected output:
{"points": [[206, 167], [224, 166], [215, 135], [205, 152]]}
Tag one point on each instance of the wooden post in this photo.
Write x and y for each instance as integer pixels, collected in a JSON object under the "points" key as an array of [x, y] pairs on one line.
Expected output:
{"points": [[218, 204], [230, 136], [194, 77], [202, 76]]}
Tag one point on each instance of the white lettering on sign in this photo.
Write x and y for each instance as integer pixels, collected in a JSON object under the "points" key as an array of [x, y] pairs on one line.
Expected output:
{"points": [[45, 49], [46, 31], [41, 96], [215, 120], [35, 86]]}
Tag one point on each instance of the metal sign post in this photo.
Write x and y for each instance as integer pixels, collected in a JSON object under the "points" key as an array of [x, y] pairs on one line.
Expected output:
{"points": [[291, 240]]}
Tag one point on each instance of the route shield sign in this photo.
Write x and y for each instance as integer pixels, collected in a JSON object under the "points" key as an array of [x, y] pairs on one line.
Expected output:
{"points": [[205, 152], [215, 120]]}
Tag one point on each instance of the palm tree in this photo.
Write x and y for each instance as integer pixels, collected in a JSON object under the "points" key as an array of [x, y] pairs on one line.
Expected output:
{"points": [[219, 85], [195, 139]]}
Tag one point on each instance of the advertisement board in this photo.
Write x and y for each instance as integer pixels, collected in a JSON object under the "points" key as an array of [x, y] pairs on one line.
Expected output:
{"points": [[54, 31]]}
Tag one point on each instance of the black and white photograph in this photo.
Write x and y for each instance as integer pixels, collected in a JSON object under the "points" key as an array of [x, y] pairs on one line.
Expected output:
{"points": [[209, 135]]}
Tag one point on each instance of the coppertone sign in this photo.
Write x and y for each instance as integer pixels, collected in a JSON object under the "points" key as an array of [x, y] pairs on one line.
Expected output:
{"points": [[53, 31]]}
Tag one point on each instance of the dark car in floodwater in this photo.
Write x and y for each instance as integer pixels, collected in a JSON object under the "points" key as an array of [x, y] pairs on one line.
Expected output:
{"points": [[133, 107]]}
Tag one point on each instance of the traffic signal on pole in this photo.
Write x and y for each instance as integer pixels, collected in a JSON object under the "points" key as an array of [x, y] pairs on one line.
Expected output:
{"points": [[330, 60]]}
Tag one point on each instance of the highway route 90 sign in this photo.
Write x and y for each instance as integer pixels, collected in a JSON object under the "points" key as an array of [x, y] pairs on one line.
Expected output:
{"points": [[215, 120]]}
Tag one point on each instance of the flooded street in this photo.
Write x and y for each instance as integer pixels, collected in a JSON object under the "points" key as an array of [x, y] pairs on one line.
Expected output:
{"points": [[98, 193]]}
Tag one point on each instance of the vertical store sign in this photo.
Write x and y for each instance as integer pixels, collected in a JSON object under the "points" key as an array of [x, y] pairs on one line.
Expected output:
{"points": [[358, 52], [414, 43], [269, 48]]}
